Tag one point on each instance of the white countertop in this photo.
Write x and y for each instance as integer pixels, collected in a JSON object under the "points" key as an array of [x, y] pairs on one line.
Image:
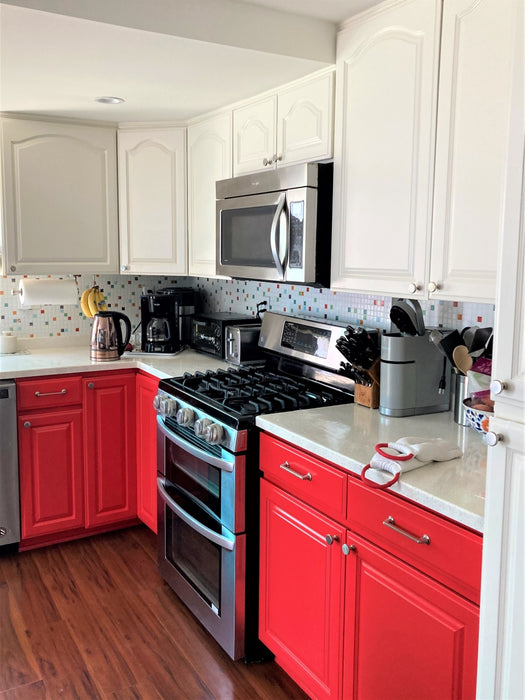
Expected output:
{"points": [[346, 436]]}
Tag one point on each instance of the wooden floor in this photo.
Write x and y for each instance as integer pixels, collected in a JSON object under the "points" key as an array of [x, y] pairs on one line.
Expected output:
{"points": [[93, 619]]}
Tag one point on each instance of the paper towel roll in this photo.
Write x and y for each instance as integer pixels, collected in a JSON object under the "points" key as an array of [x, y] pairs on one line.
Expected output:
{"points": [[40, 292]]}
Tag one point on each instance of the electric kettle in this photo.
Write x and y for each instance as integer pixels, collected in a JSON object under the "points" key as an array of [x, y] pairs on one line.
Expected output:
{"points": [[106, 342]]}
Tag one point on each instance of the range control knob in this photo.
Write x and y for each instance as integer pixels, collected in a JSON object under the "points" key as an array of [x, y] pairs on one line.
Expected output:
{"points": [[214, 434], [167, 407], [156, 402], [200, 427], [185, 417]]}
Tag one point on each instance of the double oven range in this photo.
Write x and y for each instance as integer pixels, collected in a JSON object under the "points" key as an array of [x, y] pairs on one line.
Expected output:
{"points": [[208, 476]]}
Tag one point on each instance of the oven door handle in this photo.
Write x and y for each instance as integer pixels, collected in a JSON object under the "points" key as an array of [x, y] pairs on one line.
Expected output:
{"points": [[221, 540], [192, 450], [274, 235]]}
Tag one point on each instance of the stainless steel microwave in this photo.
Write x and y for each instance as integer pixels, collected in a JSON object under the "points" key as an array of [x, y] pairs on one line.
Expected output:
{"points": [[276, 225]]}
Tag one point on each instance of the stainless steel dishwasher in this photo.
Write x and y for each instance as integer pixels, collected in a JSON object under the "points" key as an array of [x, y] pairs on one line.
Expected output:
{"points": [[9, 489]]}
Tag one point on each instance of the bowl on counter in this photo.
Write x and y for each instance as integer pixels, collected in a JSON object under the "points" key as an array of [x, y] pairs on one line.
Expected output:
{"points": [[477, 418]]}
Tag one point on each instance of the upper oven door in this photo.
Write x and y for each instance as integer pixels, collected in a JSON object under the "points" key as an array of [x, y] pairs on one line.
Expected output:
{"points": [[268, 236]]}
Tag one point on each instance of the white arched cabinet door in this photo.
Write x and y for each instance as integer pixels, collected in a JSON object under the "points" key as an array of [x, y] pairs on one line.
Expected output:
{"points": [[472, 137], [60, 197], [152, 201], [254, 136], [387, 70], [304, 121], [209, 160]]}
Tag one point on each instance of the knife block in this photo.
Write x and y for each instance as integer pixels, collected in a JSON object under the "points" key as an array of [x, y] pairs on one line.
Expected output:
{"points": [[367, 395]]}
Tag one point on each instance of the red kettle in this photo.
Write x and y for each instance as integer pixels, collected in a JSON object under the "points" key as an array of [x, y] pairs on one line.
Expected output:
{"points": [[106, 342]]}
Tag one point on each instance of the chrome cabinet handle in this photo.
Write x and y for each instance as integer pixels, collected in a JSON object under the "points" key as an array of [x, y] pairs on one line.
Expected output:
{"points": [[267, 161], [492, 438], [330, 539], [391, 523], [91, 385], [348, 548], [27, 424], [433, 287], [303, 477], [51, 393], [498, 387]]}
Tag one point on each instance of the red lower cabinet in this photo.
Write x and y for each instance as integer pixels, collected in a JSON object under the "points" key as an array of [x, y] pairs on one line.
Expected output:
{"points": [[406, 636], [51, 472], [109, 428], [301, 602], [147, 450]]}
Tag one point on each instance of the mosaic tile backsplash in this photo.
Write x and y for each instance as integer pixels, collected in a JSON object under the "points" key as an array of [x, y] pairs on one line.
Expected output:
{"points": [[241, 296]]}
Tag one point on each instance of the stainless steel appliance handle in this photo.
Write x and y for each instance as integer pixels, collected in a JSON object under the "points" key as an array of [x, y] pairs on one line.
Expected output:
{"points": [[220, 540], [192, 450], [274, 234]]}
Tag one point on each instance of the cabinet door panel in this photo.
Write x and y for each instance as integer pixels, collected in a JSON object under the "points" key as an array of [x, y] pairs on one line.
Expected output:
{"points": [[152, 196], [60, 197], [111, 487], [301, 591], [209, 160], [51, 472], [472, 140], [406, 636], [383, 148], [147, 451], [254, 136]]}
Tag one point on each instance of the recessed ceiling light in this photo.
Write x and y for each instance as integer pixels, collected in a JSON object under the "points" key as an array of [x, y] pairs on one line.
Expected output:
{"points": [[108, 100]]}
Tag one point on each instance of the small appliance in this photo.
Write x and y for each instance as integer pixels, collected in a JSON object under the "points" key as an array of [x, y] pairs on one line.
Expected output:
{"points": [[242, 344], [166, 319], [412, 371], [276, 225], [208, 332], [106, 342]]}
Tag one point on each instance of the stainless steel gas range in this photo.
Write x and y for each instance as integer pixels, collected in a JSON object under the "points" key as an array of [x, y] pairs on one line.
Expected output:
{"points": [[208, 477]]}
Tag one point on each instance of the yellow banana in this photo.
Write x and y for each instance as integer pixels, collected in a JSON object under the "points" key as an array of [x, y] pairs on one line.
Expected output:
{"points": [[84, 303], [91, 301]]}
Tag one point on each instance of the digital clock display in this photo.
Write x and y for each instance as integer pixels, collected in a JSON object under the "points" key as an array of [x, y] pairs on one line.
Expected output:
{"points": [[306, 339]]}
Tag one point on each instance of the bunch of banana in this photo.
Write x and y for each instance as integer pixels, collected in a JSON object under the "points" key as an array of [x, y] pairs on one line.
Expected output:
{"points": [[92, 301]]}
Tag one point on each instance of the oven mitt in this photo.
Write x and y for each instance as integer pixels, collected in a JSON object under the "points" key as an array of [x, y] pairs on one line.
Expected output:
{"points": [[409, 453]]}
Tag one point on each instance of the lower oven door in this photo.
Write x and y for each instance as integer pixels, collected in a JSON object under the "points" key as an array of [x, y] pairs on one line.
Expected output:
{"points": [[204, 563]]}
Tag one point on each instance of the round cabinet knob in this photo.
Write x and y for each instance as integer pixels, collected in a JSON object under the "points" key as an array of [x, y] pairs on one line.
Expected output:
{"points": [[276, 158], [185, 417], [492, 439], [413, 288], [200, 426], [433, 287], [167, 407], [497, 387], [330, 539], [348, 548], [123, 268], [91, 385], [27, 424], [214, 434], [12, 268], [267, 162]]}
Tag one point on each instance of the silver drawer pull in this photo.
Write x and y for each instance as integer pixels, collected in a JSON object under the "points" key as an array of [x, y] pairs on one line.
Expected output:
{"points": [[51, 393], [303, 477], [391, 523]]}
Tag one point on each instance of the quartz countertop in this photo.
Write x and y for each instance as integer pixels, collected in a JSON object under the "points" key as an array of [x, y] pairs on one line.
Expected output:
{"points": [[346, 436]]}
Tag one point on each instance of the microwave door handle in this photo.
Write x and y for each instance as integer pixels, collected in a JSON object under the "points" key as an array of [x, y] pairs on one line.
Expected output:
{"points": [[274, 233], [193, 450], [220, 540]]}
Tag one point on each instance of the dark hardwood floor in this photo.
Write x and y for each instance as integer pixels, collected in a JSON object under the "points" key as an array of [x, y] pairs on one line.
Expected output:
{"points": [[93, 619]]}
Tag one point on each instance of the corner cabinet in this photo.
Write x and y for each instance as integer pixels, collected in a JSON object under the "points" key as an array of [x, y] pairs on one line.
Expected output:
{"points": [[351, 608], [419, 160], [292, 126], [60, 197], [209, 160], [152, 201]]}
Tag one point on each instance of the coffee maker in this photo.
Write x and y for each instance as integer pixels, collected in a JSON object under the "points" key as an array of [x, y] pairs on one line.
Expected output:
{"points": [[166, 319]]}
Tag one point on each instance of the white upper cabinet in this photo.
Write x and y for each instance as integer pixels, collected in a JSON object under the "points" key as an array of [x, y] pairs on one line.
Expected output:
{"points": [[410, 218], [59, 197], [209, 160], [293, 126], [152, 201], [384, 132], [472, 138]]}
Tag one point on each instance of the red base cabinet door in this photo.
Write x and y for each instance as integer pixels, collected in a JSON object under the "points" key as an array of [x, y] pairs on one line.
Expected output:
{"points": [[406, 636], [111, 483], [147, 451], [301, 591], [51, 471]]}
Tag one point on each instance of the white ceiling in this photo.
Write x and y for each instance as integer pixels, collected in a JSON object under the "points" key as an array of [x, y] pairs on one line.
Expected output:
{"points": [[170, 59]]}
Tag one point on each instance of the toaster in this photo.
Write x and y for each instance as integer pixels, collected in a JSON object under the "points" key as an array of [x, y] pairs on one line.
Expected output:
{"points": [[242, 344]]}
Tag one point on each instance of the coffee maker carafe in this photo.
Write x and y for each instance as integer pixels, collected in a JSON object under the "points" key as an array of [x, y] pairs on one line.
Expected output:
{"points": [[106, 342], [166, 319], [159, 334]]}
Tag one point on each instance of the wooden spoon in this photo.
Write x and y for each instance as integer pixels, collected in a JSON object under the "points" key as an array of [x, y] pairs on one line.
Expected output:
{"points": [[462, 359]]}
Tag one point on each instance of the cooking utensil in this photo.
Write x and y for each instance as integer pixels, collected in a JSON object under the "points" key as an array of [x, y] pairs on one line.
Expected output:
{"points": [[407, 316], [480, 341], [467, 335], [449, 342], [462, 359]]}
